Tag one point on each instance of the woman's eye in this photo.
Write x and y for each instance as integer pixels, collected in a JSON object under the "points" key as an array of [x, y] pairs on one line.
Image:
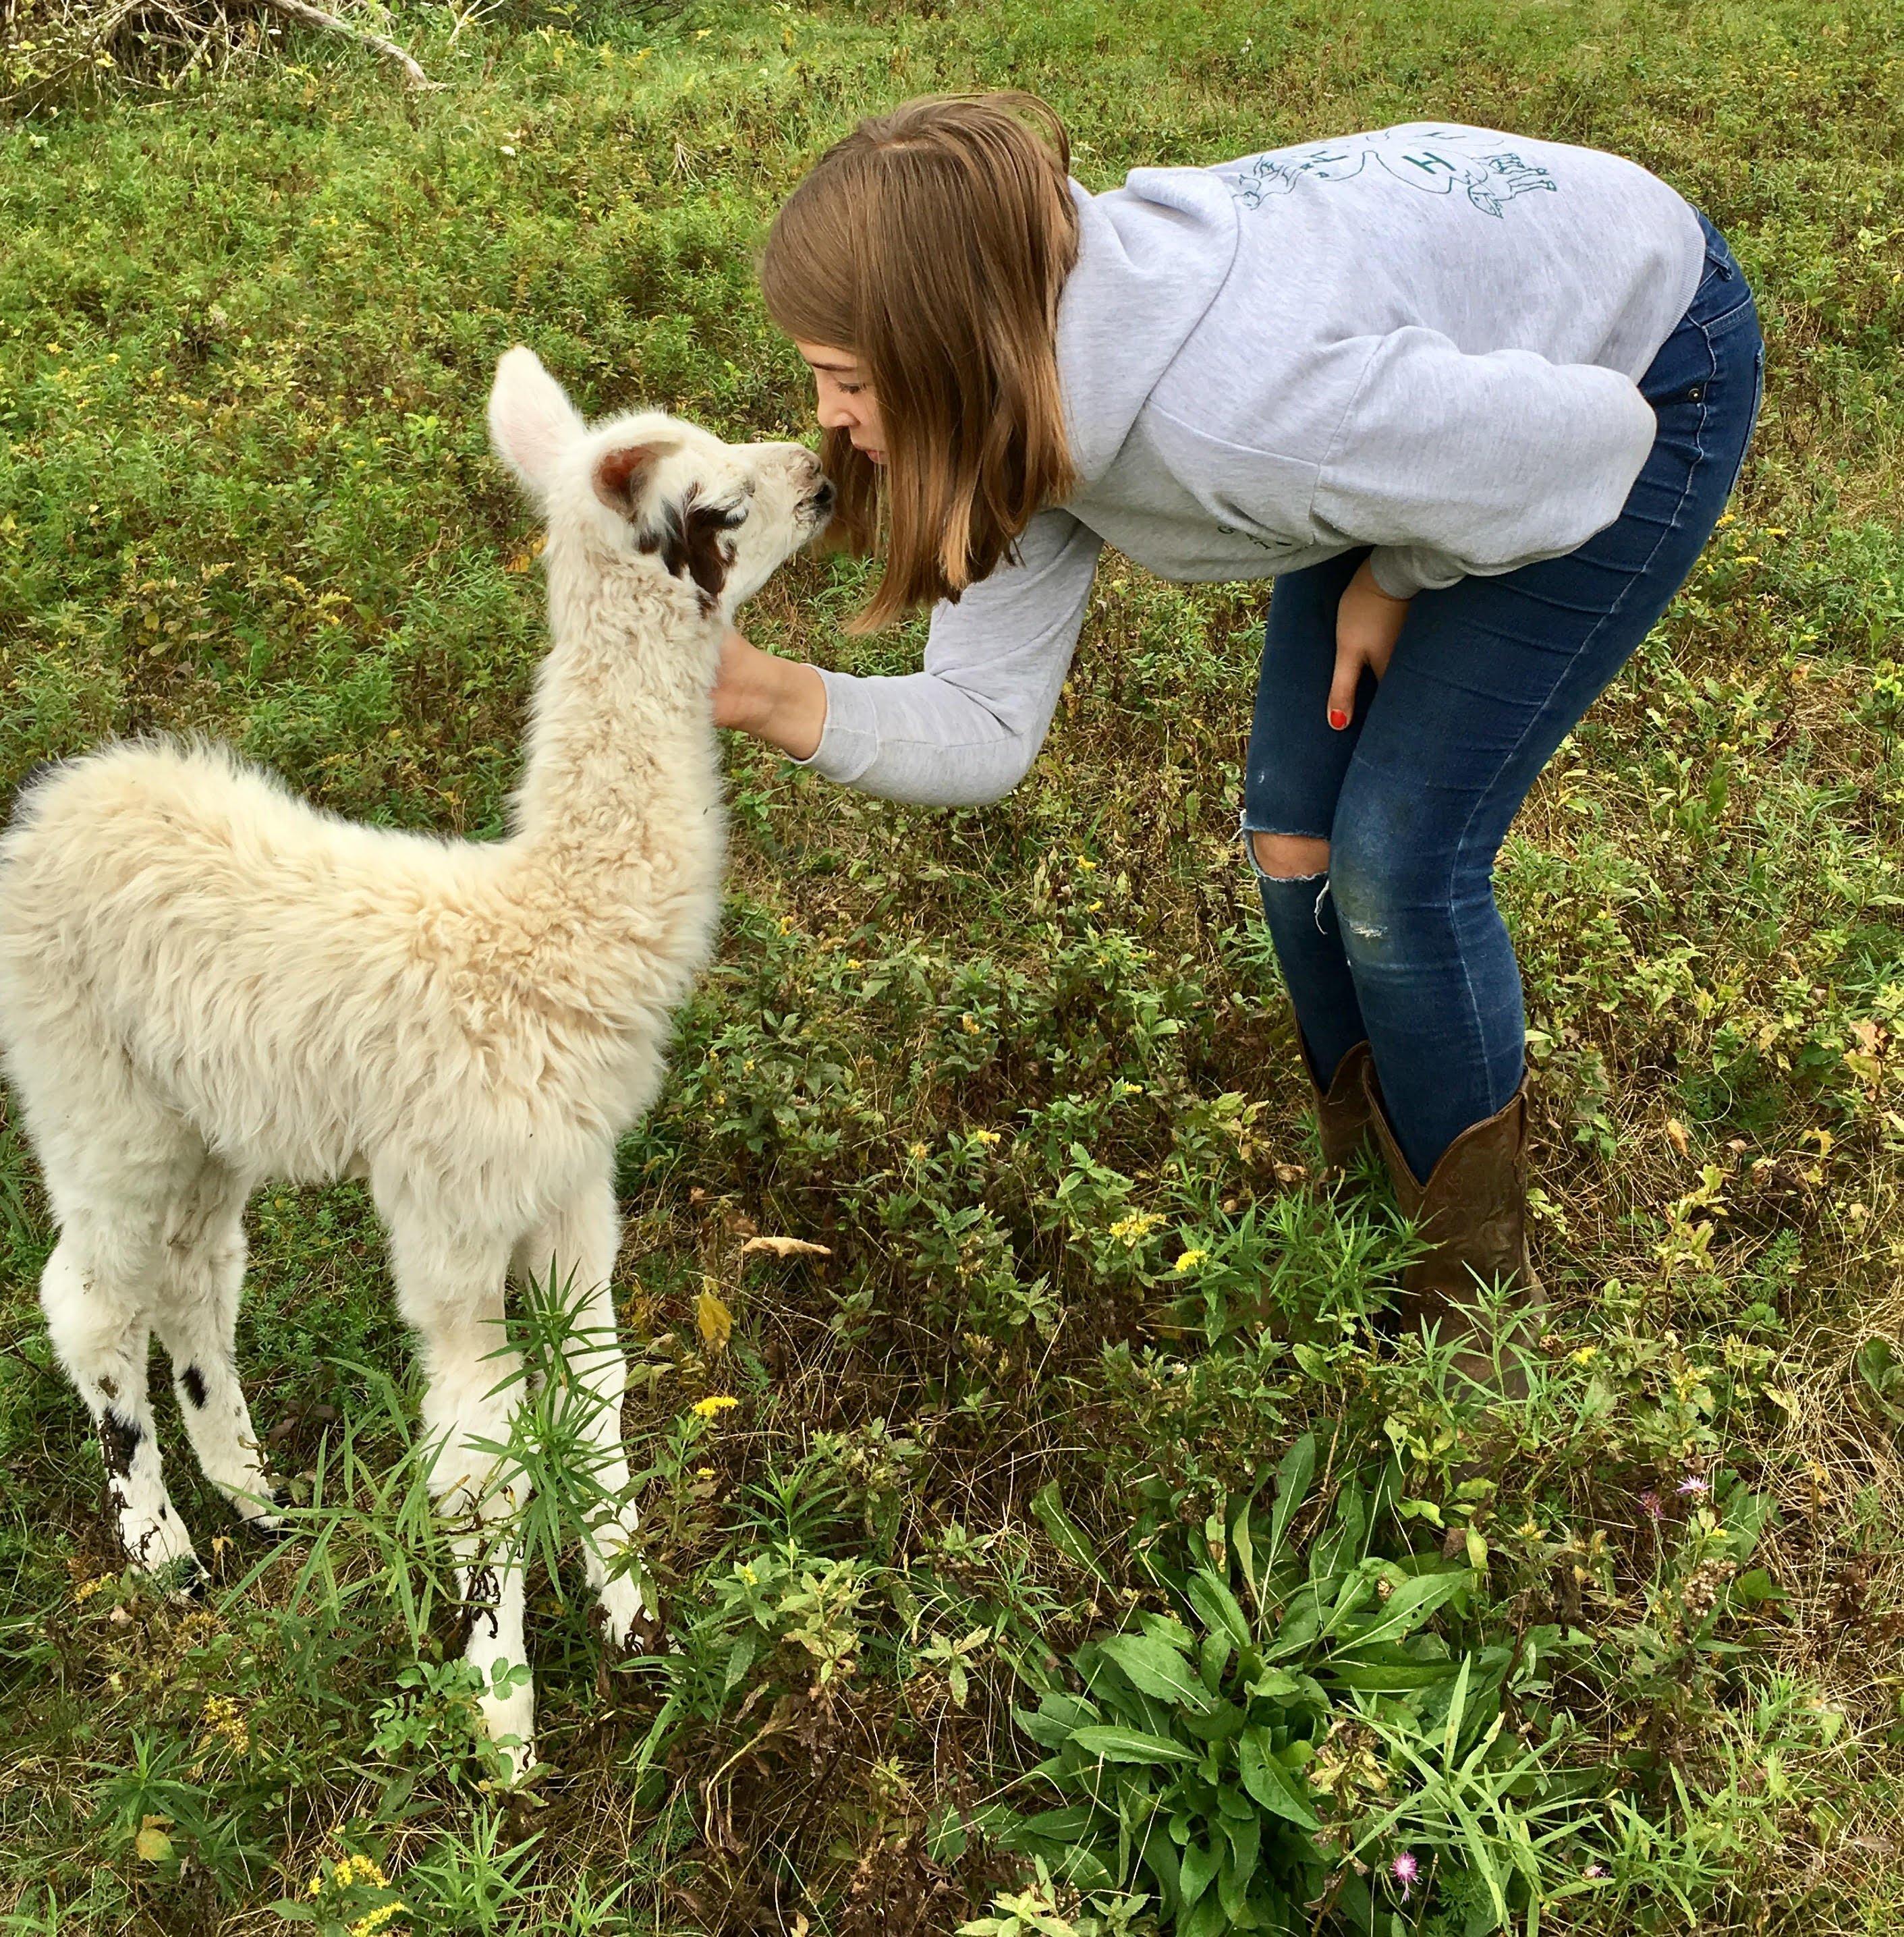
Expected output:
{"points": [[851, 389]]}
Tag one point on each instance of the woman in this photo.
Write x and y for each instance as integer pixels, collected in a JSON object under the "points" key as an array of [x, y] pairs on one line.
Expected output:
{"points": [[1475, 401]]}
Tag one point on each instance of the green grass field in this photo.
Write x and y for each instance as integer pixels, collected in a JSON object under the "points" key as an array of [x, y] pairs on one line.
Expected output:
{"points": [[1074, 1485]]}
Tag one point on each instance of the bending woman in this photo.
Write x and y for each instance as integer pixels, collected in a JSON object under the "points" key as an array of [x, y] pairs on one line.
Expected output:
{"points": [[1475, 401]]}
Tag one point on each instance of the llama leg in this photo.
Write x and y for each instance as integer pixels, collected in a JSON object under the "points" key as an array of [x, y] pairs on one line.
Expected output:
{"points": [[96, 1310], [201, 1276], [449, 1290], [574, 1254]]}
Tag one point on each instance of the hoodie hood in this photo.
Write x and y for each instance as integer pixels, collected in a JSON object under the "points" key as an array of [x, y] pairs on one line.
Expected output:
{"points": [[1151, 256]]}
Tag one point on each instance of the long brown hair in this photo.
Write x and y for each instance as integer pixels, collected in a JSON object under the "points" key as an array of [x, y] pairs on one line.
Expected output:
{"points": [[933, 243]]}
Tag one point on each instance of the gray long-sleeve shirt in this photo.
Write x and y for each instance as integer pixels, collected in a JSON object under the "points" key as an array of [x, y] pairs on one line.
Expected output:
{"points": [[1425, 340]]}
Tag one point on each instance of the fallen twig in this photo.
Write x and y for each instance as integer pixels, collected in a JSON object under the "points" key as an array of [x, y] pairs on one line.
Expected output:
{"points": [[316, 16]]}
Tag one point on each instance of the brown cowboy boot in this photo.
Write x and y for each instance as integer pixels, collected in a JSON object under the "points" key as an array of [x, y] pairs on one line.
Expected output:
{"points": [[1342, 1109], [1472, 1213]]}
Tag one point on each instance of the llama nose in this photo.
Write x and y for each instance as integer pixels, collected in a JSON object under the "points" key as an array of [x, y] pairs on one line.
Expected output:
{"points": [[822, 500]]}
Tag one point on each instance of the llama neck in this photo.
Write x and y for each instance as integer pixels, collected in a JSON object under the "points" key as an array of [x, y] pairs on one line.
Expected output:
{"points": [[622, 745]]}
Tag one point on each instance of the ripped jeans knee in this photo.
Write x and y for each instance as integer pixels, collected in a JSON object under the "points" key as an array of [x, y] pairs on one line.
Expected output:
{"points": [[1292, 879], [1285, 857]]}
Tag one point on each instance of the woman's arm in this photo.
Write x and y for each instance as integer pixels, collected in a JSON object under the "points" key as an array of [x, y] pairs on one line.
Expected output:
{"points": [[782, 701], [964, 730]]}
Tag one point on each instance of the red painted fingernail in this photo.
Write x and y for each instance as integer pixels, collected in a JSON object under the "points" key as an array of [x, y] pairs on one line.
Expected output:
{"points": [[1338, 718]]}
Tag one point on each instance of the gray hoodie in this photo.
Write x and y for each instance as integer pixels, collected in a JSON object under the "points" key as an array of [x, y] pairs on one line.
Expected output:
{"points": [[1425, 340]]}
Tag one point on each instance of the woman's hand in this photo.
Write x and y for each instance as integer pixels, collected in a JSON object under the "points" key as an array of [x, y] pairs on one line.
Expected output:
{"points": [[1367, 622], [782, 701]]}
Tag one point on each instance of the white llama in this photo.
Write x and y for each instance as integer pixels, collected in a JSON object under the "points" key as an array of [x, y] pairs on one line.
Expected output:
{"points": [[205, 983]]}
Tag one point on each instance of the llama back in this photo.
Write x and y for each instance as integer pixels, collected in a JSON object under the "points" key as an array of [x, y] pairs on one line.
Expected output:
{"points": [[261, 966]]}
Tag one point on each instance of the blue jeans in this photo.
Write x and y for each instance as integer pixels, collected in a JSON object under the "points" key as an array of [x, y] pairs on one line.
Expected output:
{"points": [[1400, 941]]}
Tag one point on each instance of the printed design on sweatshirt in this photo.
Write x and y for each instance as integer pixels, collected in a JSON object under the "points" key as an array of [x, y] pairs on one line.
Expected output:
{"points": [[1436, 161]]}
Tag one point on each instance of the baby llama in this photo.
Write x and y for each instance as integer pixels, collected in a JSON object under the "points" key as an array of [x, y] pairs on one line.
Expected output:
{"points": [[205, 983]]}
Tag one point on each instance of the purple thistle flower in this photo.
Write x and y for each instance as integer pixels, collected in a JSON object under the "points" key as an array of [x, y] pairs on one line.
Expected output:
{"points": [[1652, 1505], [1593, 1871], [1693, 1484], [1405, 1870]]}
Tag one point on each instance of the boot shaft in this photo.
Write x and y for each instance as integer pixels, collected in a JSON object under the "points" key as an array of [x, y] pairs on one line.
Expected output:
{"points": [[1472, 1209]]}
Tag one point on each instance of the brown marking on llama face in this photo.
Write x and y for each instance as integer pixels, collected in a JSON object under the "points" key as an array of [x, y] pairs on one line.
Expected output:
{"points": [[710, 550], [691, 537], [694, 544]]}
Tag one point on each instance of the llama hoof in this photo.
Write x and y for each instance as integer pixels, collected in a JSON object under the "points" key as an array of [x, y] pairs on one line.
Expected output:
{"points": [[156, 1542], [183, 1581], [630, 1623], [510, 1724], [259, 1515], [650, 1636]]}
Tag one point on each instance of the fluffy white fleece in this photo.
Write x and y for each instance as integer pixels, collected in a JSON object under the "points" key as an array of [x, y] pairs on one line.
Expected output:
{"points": [[205, 983]]}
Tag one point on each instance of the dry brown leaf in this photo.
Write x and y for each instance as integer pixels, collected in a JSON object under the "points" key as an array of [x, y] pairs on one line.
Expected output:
{"points": [[715, 1321], [786, 1247]]}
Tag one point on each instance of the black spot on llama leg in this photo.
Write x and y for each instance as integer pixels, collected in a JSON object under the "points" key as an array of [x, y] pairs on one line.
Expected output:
{"points": [[482, 1603], [120, 1441]]}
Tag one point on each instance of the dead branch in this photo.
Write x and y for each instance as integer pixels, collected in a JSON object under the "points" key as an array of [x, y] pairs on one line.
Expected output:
{"points": [[316, 16]]}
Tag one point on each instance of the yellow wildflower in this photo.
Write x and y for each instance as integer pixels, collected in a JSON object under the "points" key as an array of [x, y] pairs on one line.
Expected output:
{"points": [[986, 1137], [1191, 1260], [359, 1871], [224, 1719], [715, 1403], [1133, 1229]]}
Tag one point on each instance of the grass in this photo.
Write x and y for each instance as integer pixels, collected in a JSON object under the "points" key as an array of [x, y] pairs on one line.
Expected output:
{"points": [[1011, 1478]]}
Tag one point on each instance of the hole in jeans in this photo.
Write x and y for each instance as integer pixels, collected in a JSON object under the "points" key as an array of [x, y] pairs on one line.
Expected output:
{"points": [[1287, 857]]}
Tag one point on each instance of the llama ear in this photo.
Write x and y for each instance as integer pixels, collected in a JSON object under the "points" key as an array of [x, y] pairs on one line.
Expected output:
{"points": [[531, 419], [623, 477]]}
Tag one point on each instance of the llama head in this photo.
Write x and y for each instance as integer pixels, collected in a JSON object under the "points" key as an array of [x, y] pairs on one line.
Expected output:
{"points": [[648, 487]]}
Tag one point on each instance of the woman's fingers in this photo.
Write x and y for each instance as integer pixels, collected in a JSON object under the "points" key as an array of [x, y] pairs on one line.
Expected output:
{"points": [[1367, 622], [1349, 662]]}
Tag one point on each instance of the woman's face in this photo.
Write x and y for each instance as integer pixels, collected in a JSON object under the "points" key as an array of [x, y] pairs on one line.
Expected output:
{"points": [[846, 400]]}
